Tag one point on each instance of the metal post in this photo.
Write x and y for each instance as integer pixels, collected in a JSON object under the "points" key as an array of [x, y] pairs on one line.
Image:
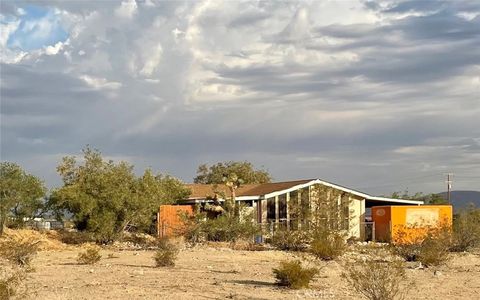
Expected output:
{"points": [[373, 231]]}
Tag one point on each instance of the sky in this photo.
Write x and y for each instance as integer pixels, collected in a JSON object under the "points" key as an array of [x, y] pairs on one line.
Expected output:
{"points": [[380, 96]]}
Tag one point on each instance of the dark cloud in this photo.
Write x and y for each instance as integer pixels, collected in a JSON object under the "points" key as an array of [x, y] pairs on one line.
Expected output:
{"points": [[296, 88], [415, 6]]}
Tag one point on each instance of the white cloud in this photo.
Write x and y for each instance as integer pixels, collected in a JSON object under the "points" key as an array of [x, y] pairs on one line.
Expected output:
{"points": [[151, 60], [126, 9], [101, 83], [7, 29], [53, 50]]}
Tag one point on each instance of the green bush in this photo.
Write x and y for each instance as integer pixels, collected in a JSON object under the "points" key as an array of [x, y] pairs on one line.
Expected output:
{"points": [[292, 275], [290, 240], [19, 252], [224, 228], [89, 256], [466, 230], [166, 254], [229, 229], [377, 279], [327, 245]]}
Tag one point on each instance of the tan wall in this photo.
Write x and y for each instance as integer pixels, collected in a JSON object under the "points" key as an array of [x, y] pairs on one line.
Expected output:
{"points": [[357, 217]]}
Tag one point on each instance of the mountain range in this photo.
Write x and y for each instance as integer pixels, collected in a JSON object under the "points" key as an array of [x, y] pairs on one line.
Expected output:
{"points": [[461, 199]]}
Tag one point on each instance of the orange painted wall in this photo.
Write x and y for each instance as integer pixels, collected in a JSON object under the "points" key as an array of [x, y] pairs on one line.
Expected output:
{"points": [[409, 224], [169, 218], [381, 215]]}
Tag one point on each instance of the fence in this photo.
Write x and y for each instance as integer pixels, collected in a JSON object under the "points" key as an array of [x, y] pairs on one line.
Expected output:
{"points": [[169, 218]]}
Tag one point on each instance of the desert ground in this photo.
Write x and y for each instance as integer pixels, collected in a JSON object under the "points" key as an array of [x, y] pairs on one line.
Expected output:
{"points": [[217, 272]]}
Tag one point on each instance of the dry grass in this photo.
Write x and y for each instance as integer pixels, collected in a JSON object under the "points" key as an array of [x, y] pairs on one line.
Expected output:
{"points": [[19, 251], [48, 240], [12, 283]]}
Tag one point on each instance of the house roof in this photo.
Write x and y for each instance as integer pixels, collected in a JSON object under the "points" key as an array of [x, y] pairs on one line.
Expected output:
{"points": [[267, 190], [247, 190]]}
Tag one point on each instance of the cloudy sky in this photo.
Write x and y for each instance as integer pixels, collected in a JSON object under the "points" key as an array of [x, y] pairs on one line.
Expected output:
{"points": [[378, 96]]}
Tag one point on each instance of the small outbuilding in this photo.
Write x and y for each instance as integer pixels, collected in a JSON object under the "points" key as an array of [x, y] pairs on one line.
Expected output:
{"points": [[409, 224]]}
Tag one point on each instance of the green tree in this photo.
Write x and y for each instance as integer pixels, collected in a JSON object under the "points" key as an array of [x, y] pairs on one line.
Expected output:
{"points": [[20, 194], [244, 170], [107, 198]]}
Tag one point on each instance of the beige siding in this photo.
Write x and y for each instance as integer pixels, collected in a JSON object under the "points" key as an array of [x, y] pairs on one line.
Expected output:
{"points": [[357, 217]]}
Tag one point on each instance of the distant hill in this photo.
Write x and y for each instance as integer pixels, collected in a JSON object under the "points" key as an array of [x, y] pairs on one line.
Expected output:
{"points": [[461, 199]]}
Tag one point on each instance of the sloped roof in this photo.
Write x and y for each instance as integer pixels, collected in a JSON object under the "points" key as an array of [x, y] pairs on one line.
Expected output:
{"points": [[255, 191], [209, 190]]}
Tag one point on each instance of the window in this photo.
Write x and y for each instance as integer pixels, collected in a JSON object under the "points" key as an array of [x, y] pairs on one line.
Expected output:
{"points": [[270, 209], [305, 203], [282, 207]]}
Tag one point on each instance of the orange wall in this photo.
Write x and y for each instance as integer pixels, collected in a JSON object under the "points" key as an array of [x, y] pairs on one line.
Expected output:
{"points": [[381, 215], [409, 224], [169, 218]]}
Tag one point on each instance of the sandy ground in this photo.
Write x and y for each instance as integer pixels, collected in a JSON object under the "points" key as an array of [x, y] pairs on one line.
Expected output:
{"points": [[213, 273]]}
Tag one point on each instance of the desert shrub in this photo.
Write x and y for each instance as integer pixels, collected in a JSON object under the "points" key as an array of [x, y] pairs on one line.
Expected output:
{"points": [[140, 240], [166, 254], [19, 251], [192, 229], [227, 228], [327, 245], [89, 256], [431, 250], [434, 250], [248, 246], [12, 283], [377, 279], [224, 228], [290, 240], [466, 230], [291, 274], [409, 252], [75, 237]]}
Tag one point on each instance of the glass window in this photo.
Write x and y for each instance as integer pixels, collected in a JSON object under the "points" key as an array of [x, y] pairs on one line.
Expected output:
{"points": [[270, 209], [282, 206]]}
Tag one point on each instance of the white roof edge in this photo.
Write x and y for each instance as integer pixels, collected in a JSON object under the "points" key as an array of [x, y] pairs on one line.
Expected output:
{"points": [[338, 187], [347, 190], [293, 188], [203, 199], [241, 198], [395, 200]]}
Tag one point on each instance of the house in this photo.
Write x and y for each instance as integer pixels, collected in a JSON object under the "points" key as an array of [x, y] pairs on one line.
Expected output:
{"points": [[271, 203]]}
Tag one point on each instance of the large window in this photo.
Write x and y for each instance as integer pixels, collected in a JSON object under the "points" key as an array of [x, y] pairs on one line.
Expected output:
{"points": [[271, 209], [305, 207], [282, 207]]}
